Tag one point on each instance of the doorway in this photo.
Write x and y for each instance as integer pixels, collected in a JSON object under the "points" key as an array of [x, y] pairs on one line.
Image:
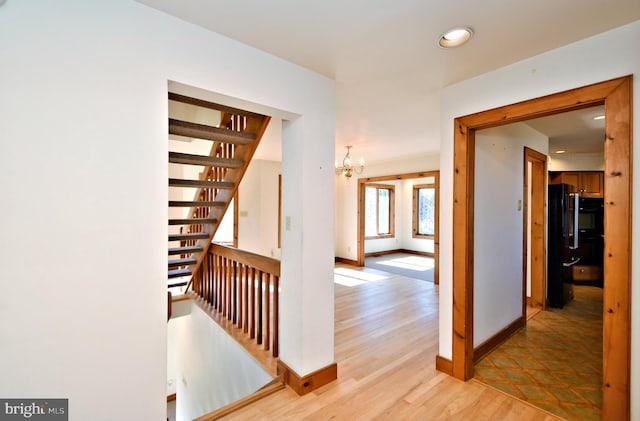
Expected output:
{"points": [[362, 185], [555, 360], [615, 95], [534, 244]]}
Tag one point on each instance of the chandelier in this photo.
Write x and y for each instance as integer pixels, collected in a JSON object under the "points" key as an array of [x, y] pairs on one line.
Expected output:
{"points": [[347, 169]]}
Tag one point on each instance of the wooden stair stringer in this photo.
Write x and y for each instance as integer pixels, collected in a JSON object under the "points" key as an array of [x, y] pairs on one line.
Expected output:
{"points": [[233, 175]]}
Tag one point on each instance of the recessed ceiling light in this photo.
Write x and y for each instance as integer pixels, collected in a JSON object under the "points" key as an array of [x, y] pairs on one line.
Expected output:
{"points": [[599, 117], [560, 151], [455, 37]]}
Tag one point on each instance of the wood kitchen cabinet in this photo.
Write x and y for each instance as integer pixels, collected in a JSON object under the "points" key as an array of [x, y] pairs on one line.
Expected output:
{"points": [[587, 273], [586, 183]]}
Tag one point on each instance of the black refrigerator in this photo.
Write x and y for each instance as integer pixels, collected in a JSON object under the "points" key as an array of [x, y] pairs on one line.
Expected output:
{"points": [[562, 243]]}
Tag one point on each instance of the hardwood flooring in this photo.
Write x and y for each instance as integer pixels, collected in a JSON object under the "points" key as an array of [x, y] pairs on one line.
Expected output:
{"points": [[386, 341]]}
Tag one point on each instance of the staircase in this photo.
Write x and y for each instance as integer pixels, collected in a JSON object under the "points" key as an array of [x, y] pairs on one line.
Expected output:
{"points": [[234, 135]]}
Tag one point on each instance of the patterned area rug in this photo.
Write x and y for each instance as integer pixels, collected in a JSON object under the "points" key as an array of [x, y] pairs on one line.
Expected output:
{"points": [[409, 265], [555, 362]]}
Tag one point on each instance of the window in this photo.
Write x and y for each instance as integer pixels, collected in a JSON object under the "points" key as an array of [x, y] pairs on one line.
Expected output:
{"points": [[424, 210], [379, 211]]}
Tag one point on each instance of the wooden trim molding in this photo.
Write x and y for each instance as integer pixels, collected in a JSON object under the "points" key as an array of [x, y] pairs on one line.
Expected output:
{"points": [[534, 235], [386, 252], [493, 342], [392, 210], [346, 261], [444, 365], [305, 384], [171, 397], [616, 95], [274, 386], [361, 209]]}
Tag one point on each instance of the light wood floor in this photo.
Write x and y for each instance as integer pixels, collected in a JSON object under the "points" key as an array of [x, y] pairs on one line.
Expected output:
{"points": [[386, 340]]}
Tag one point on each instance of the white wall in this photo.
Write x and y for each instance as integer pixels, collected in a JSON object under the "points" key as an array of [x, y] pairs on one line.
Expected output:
{"points": [[258, 209], [307, 296], [498, 225], [213, 370], [83, 164], [346, 211], [585, 62], [577, 162], [179, 309]]}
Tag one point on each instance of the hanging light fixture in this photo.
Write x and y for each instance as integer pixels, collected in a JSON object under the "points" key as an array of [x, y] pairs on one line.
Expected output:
{"points": [[347, 169]]}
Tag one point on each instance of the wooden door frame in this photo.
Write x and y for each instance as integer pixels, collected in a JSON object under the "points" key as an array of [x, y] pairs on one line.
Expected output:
{"points": [[616, 96], [362, 182], [538, 213]]}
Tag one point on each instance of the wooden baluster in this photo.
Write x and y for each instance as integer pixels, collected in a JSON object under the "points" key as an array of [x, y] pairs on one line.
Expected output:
{"points": [[234, 316], [221, 284], [259, 309], [210, 277], [252, 295], [229, 286], [276, 298], [267, 314], [205, 279], [202, 279], [218, 281], [196, 284], [223, 297], [214, 268], [246, 294], [241, 288], [226, 286], [246, 299]]}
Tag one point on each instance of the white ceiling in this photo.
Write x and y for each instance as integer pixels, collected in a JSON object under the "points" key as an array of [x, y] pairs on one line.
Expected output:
{"points": [[573, 131], [384, 57]]}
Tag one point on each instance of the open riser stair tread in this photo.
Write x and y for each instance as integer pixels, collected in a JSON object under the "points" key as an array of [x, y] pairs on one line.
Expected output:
{"points": [[212, 105], [184, 250], [192, 221], [176, 182], [189, 236], [177, 282], [195, 203], [204, 132], [182, 262], [177, 273], [191, 159]]}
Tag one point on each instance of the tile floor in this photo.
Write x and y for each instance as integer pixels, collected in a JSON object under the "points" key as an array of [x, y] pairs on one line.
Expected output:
{"points": [[555, 362]]}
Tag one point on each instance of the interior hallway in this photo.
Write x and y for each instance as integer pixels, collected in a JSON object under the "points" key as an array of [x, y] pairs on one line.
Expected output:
{"points": [[386, 341], [555, 362]]}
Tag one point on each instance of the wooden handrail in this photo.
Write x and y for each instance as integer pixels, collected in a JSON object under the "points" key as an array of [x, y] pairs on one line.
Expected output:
{"points": [[243, 288], [257, 261]]}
